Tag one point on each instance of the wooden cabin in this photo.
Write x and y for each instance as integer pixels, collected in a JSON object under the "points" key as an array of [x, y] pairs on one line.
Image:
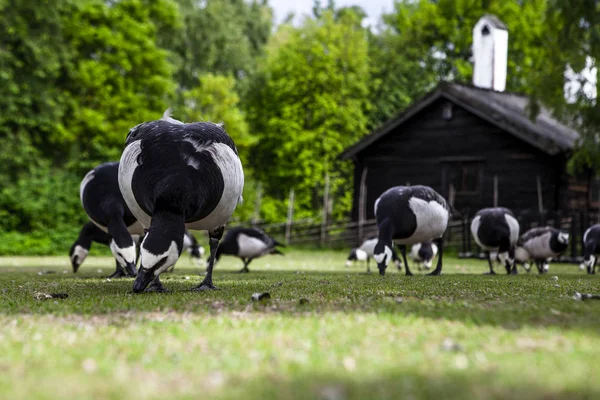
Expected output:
{"points": [[476, 145]]}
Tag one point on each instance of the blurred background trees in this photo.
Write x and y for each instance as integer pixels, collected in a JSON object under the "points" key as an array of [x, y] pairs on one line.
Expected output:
{"points": [[75, 75]]}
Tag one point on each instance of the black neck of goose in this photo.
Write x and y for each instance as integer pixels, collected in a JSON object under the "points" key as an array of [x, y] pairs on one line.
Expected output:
{"points": [[589, 249], [166, 226], [85, 237], [386, 233]]}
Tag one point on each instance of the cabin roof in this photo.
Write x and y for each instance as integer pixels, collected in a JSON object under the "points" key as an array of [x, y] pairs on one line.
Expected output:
{"points": [[508, 111], [494, 21]]}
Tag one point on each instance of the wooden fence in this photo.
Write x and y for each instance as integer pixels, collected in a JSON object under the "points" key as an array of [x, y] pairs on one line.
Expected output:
{"points": [[348, 234]]}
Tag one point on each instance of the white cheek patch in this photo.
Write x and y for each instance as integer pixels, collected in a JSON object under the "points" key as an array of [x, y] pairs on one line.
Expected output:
{"points": [[123, 255], [81, 253], [504, 257], [591, 261], [563, 238], [546, 267], [149, 260], [521, 254], [385, 256], [428, 264]]}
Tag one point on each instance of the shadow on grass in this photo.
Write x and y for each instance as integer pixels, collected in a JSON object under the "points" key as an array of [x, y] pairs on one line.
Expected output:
{"points": [[409, 385]]}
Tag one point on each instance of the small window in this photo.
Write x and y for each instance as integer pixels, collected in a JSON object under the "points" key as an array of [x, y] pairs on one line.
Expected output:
{"points": [[485, 31], [465, 177]]}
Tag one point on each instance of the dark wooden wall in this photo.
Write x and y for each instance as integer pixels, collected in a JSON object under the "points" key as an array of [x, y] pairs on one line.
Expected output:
{"points": [[418, 151]]}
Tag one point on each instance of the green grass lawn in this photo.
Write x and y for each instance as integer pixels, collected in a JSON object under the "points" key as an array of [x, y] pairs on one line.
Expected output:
{"points": [[459, 336]]}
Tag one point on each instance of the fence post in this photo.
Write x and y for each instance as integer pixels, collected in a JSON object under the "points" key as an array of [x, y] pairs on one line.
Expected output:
{"points": [[469, 250], [362, 207], [290, 216], [540, 200], [495, 190], [257, 204], [574, 238], [325, 211]]}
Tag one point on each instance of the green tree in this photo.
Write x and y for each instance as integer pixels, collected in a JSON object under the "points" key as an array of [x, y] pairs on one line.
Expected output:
{"points": [[32, 60], [307, 105], [575, 45], [221, 36], [118, 75]]}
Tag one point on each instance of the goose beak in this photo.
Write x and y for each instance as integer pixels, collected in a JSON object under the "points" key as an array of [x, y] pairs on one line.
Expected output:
{"points": [[130, 269], [75, 264], [143, 279], [381, 269]]}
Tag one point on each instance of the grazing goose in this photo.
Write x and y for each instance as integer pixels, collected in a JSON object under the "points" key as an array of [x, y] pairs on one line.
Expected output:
{"points": [[365, 251], [541, 245], [103, 203], [81, 247], [591, 248], [408, 215], [247, 244], [497, 230], [175, 175], [423, 254]]}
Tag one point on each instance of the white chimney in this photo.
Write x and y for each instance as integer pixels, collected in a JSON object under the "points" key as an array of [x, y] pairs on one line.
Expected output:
{"points": [[490, 53]]}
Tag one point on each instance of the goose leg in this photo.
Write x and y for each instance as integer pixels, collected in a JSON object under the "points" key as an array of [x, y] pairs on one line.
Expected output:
{"points": [[119, 273], [490, 264], [368, 267], [214, 237], [438, 269], [403, 250], [156, 286], [246, 263]]}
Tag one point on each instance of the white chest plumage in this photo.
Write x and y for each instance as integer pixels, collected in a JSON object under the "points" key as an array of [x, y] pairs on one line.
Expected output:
{"points": [[475, 232], [513, 225], [522, 255], [187, 242], [127, 167], [86, 179], [362, 255], [432, 220], [539, 246], [250, 246], [368, 247], [414, 251], [233, 184]]}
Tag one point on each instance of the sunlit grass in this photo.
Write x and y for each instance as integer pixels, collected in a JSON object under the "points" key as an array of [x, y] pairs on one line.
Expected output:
{"points": [[354, 336]]}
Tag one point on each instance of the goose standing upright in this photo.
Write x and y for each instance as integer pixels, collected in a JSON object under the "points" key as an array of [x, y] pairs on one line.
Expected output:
{"points": [[175, 175], [409, 215], [104, 204]]}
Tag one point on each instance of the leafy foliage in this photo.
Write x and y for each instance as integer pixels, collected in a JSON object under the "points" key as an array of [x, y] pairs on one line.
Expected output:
{"points": [[309, 104]]}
